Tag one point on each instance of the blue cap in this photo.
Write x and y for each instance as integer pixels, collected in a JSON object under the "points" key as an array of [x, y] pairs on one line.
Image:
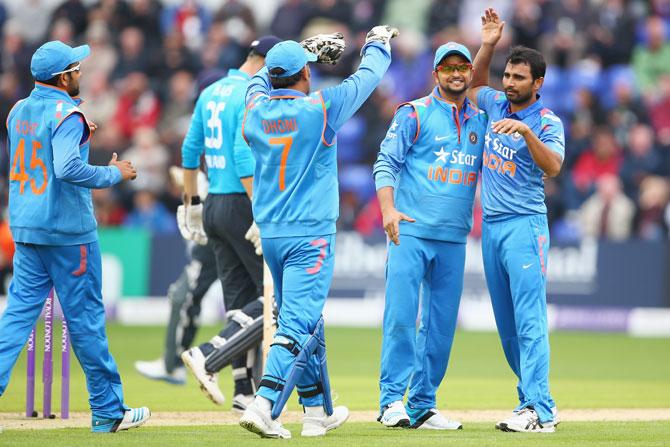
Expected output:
{"points": [[55, 56], [290, 56], [448, 49]]}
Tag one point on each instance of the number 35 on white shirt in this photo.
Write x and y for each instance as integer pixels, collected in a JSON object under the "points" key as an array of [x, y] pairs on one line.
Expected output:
{"points": [[215, 141]]}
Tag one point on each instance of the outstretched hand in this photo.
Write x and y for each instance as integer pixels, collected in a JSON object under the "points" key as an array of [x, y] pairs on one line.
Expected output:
{"points": [[127, 169], [492, 27]]}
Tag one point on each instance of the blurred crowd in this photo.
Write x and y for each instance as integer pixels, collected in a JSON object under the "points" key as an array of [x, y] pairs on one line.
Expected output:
{"points": [[608, 79]]}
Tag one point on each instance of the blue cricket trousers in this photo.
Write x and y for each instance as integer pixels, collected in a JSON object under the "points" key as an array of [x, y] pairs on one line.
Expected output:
{"points": [[302, 269], [515, 263], [75, 272], [433, 269]]}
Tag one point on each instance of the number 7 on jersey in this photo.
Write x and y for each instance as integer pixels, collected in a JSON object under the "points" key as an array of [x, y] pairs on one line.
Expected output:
{"points": [[287, 142]]}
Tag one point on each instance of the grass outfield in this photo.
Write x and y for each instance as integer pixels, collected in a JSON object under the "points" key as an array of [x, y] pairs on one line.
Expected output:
{"points": [[588, 371], [647, 434]]}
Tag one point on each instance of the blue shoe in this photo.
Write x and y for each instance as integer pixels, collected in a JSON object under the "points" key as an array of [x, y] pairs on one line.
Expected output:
{"points": [[133, 417]]}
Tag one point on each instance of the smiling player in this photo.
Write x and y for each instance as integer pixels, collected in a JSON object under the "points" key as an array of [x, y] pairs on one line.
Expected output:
{"points": [[524, 142], [427, 168]]}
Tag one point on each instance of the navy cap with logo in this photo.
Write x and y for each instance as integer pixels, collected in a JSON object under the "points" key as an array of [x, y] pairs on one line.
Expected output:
{"points": [[53, 57], [264, 44], [448, 49], [290, 56]]}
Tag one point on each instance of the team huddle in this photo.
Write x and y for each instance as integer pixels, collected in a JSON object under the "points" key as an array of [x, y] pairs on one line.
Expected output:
{"points": [[271, 196]]}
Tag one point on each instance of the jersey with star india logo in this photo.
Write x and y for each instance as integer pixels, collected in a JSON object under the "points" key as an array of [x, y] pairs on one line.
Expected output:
{"points": [[511, 180], [431, 156]]}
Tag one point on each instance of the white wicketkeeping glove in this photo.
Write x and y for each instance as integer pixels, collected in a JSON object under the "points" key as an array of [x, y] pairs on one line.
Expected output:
{"points": [[189, 221], [254, 236], [380, 33], [327, 47]]}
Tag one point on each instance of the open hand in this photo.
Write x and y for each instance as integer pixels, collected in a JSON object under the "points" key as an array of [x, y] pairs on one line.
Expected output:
{"points": [[492, 27], [391, 221]]}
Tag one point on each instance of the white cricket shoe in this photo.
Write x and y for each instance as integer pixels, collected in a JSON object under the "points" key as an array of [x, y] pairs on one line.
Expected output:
{"points": [[394, 415], [242, 401], [155, 370], [527, 421], [195, 361], [257, 419], [133, 417], [434, 420], [554, 412], [315, 422]]}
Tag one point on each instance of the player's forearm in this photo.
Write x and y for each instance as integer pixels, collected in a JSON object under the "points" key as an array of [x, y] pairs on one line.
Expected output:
{"points": [[259, 85], [248, 184], [481, 64], [549, 161], [190, 184], [385, 196]]}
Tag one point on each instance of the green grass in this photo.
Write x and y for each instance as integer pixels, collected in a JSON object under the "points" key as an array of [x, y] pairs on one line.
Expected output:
{"points": [[588, 371], [647, 434]]}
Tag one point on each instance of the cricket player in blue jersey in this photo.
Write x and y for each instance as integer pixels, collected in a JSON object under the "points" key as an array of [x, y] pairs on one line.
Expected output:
{"points": [[225, 221], [524, 143], [292, 134], [427, 168], [54, 228]]}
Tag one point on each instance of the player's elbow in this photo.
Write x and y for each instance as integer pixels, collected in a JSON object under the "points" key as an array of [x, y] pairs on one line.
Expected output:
{"points": [[553, 170]]}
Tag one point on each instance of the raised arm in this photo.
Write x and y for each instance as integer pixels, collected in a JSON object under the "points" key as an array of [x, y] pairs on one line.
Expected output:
{"points": [[492, 29], [259, 85]]}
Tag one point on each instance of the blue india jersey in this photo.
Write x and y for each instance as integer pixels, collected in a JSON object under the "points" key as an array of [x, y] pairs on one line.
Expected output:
{"points": [[512, 182]]}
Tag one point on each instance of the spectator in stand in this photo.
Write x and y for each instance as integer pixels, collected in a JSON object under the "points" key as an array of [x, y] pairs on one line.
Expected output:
{"points": [[101, 99], [608, 213], [108, 210], [290, 18], [443, 14], [16, 54], [32, 18], [138, 105], [651, 60], [189, 19], [133, 55], [151, 159], [641, 159], [649, 221], [236, 9], [628, 111], [178, 109], [604, 157], [659, 113], [75, 12], [175, 57], [103, 55], [145, 16], [115, 13], [151, 215], [611, 34]]}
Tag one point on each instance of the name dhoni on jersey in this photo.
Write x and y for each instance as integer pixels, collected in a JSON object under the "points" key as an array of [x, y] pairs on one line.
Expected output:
{"points": [[279, 126]]}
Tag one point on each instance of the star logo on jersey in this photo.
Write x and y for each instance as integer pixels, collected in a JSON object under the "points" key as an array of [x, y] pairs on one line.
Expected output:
{"points": [[442, 155]]}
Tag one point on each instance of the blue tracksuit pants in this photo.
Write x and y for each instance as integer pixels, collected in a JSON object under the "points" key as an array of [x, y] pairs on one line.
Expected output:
{"points": [[75, 272], [302, 270], [433, 269], [515, 263]]}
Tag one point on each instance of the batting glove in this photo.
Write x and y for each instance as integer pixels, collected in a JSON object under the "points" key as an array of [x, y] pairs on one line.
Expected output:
{"points": [[381, 33], [194, 224], [327, 47], [254, 236], [181, 223]]}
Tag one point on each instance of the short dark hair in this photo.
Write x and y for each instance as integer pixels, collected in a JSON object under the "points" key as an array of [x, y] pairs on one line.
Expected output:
{"points": [[288, 81], [53, 81], [530, 57]]}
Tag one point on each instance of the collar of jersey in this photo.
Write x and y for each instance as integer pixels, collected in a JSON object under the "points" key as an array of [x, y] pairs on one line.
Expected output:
{"points": [[525, 113], [284, 92], [238, 74], [51, 91], [468, 107]]}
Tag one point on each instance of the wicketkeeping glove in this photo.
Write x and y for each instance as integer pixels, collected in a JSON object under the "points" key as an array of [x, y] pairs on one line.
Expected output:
{"points": [[327, 47], [254, 236], [380, 33]]}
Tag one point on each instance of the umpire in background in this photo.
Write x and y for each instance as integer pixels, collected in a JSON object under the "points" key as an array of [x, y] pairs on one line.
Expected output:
{"points": [[226, 219]]}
